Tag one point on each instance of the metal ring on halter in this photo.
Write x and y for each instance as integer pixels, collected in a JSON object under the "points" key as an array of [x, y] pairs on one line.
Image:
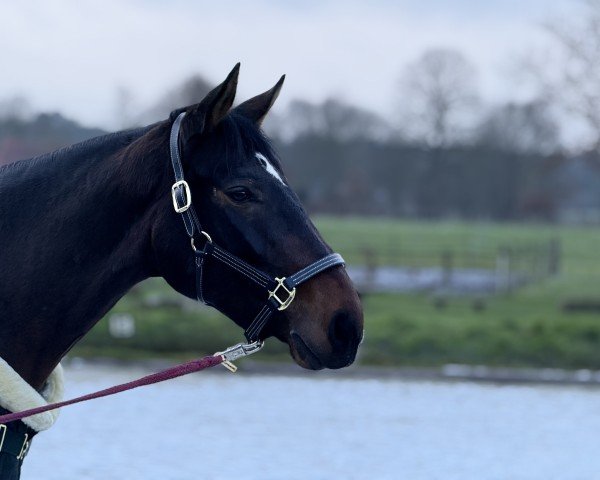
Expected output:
{"points": [[207, 238], [206, 235]]}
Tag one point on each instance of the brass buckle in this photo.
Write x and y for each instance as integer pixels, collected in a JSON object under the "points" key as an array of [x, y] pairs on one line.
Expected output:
{"points": [[188, 196], [3, 430], [24, 448], [283, 304]]}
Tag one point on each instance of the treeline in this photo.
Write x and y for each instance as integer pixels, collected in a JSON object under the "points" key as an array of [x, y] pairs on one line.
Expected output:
{"points": [[447, 153], [27, 136], [347, 174], [403, 180]]}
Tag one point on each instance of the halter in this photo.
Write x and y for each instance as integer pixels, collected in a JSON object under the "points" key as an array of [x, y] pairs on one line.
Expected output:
{"points": [[280, 291]]}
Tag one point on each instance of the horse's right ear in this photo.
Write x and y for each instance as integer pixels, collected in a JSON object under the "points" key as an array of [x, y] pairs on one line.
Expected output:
{"points": [[205, 115], [256, 108]]}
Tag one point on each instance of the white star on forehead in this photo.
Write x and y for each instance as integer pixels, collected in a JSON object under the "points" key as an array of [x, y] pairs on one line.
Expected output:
{"points": [[268, 166]]}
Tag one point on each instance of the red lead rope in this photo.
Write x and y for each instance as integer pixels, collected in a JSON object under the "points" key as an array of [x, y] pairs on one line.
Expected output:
{"points": [[168, 374]]}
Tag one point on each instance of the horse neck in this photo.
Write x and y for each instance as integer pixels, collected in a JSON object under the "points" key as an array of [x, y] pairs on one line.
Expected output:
{"points": [[81, 255]]}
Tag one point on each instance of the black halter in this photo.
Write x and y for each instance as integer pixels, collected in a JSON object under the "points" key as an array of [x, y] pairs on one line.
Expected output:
{"points": [[281, 290]]}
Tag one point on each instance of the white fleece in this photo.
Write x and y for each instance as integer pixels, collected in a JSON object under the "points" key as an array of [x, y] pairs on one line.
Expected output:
{"points": [[17, 395]]}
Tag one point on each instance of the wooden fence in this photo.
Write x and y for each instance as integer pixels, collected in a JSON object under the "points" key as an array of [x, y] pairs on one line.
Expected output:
{"points": [[491, 269]]}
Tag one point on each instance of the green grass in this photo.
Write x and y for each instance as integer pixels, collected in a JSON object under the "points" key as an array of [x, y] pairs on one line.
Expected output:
{"points": [[425, 239], [526, 328], [515, 331]]}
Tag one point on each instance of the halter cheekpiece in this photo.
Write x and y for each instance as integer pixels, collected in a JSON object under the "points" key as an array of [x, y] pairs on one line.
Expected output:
{"points": [[281, 291]]}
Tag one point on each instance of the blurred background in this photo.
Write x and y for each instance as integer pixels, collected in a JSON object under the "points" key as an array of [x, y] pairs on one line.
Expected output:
{"points": [[449, 150]]}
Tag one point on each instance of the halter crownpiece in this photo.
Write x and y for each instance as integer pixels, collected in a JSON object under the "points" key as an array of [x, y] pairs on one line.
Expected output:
{"points": [[281, 291]]}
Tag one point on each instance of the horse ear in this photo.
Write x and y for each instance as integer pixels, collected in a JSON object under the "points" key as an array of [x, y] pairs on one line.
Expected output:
{"points": [[212, 109], [256, 108]]}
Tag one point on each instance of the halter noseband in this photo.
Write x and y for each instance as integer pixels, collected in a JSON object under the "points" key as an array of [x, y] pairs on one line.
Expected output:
{"points": [[281, 290]]}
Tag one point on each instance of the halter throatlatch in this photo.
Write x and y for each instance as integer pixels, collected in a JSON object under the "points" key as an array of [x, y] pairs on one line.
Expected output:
{"points": [[280, 291]]}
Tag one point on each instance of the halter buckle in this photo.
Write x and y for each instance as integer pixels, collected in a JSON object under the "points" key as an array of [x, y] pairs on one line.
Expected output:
{"points": [[24, 448], [291, 294], [2, 435], [187, 196]]}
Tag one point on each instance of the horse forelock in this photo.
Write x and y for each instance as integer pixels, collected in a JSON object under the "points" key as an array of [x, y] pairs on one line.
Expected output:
{"points": [[242, 139]]}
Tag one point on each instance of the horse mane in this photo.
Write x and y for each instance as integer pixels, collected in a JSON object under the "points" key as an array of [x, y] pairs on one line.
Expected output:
{"points": [[103, 144], [242, 140]]}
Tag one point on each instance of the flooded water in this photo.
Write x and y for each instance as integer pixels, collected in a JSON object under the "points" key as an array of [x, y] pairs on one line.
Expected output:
{"points": [[404, 279], [210, 426]]}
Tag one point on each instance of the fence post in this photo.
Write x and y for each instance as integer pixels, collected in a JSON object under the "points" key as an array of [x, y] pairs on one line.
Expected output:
{"points": [[554, 257], [447, 268], [504, 269], [370, 268]]}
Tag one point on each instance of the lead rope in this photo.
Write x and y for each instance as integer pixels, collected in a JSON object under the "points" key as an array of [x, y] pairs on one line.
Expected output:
{"points": [[226, 357]]}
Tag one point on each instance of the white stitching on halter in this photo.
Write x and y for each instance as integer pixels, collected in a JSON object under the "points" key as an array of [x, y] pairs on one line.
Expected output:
{"points": [[268, 166]]}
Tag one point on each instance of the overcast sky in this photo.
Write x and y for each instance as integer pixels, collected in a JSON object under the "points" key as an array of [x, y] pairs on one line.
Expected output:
{"points": [[72, 55]]}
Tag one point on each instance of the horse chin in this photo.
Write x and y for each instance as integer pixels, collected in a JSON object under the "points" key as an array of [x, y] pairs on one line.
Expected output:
{"points": [[302, 353]]}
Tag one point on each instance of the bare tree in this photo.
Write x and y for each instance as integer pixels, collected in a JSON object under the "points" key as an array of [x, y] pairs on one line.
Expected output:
{"points": [[16, 108], [525, 128], [333, 119], [437, 92], [571, 74], [191, 91]]}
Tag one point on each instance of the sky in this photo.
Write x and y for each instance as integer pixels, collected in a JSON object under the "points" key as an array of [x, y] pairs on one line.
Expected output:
{"points": [[73, 55]]}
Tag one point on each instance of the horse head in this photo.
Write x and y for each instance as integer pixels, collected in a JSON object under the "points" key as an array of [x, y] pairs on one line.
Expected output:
{"points": [[245, 204]]}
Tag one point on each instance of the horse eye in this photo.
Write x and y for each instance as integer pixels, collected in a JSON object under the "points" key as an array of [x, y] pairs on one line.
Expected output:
{"points": [[239, 194]]}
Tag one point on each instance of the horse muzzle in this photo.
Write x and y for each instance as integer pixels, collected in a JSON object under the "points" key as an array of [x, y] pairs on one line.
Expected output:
{"points": [[342, 340]]}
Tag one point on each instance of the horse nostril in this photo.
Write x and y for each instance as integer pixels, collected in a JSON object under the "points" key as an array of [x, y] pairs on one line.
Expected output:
{"points": [[343, 332]]}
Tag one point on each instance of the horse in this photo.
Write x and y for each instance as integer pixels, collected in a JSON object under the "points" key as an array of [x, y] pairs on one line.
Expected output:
{"points": [[81, 226]]}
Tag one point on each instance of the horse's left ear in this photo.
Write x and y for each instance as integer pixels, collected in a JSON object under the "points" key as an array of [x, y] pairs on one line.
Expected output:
{"points": [[205, 115], [256, 108]]}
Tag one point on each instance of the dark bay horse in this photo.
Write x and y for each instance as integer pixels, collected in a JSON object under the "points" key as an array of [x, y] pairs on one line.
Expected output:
{"points": [[80, 226]]}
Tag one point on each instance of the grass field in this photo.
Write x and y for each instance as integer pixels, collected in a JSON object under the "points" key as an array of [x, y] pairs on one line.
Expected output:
{"points": [[528, 327]]}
